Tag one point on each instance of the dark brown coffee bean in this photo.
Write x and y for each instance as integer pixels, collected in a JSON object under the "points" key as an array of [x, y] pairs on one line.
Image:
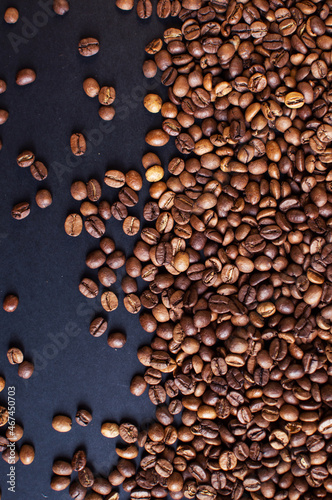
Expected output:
{"points": [[10, 303], [78, 144], [38, 171], [94, 226], [109, 301], [132, 303], [25, 159], [98, 327], [128, 432], [88, 288], [88, 47], [25, 77], [21, 210], [144, 9], [107, 96], [116, 340], [43, 198], [131, 226], [73, 225]]}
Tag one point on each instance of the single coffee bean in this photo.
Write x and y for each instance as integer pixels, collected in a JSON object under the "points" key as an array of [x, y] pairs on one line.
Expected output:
{"points": [[61, 423], [25, 159], [106, 276], [60, 7], [98, 327], [134, 180], [94, 226], [157, 138], [27, 454], [62, 468], [110, 430], [115, 178], [79, 460], [109, 301], [15, 433], [25, 77], [91, 87], [125, 4], [88, 288], [93, 190], [149, 68], [106, 113], [3, 116], [25, 369], [116, 340], [15, 356], [60, 483], [128, 196], [38, 171], [107, 96], [138, 385], [73, 225], [144, 9], [131, 226], [88, 47], [11, 15], [79, 190], [78, 144], [116, 260], [21, 210], [83, 417], [10, 303], [128, 432], [153, 103], [95, 259], [132, 303], [43, 198]]}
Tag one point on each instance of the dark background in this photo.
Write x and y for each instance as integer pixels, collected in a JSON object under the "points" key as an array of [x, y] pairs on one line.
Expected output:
{"points": [[39, 261]]}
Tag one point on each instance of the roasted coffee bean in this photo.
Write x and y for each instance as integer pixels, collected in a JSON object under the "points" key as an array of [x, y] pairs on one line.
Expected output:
{"points": [[109, 301], [15, 356], [10, 303], [132, 303], [98, 327], [38, 171], [83, 417], [43, 198], [25, 370], [131, 226], [116, 340], [94, 226], [88, 47], [25, 159], [93, 190], [11, 15], [25, 77], [60, 7], [60, 483], [91, 87], [78, 144], [106, 96], [88, 288], [21, 210], [144, 9], [73, 225], [125, 4], [128, 432], [128, 196], [61, 423]]}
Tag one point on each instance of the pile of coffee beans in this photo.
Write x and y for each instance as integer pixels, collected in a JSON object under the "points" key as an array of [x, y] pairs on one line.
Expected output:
{"points": [[238, 261]]}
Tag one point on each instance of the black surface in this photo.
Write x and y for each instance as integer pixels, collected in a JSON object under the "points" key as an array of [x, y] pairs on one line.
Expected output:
{"points": [[39, 261]]}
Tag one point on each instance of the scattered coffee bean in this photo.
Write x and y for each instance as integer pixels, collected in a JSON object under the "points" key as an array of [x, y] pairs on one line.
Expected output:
{"points": [[98, 327], [115, 178], [73, 225], [60, 483], [83, 417], [21, 210], [3, 116], [125, 4], [131, 225], [88, 47], [60, 7], [27, 454], [91, 87], [3, 86], [25, 369], [116, 340], [25, 77], [110, 430], [62, 468], [88, 288], [25, 159], [10, 303], [109, 301], [15, 356], [61, 423], [106, 113], [79, 190], [43, 198], [11, 15], [78, 144], [107, 95], [153, 103], [38, 171]]}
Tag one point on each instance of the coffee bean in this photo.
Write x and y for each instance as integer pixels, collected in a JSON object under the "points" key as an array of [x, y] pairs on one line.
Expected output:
{"points": [[93, 190], [106, 276], [125, 4], [11, 15], [15, 356], [25, 369], [38, 171], [132, 303], [149, 68], [128, 196], [116, 340], [25, 77], [107, 96], [144, 9], [25, 159], [86, 477], [83, 417], [106, 113], [131, 226], [27, 454], [109, 301], [116, 260], [128, 432], [138, 385], [153, 103], [61, 423], [10, 303], [91, 87], [21, 210], [78, 144], [88, 47], [73, 225], [60, 483], [110, 430], [115, 178], [3, 416], [62, 468], [98, 327], [79, 190], [43, 198], [134, 180], [157, 138], [3, 116], [60, 7], [94, 226], [88, 288]]}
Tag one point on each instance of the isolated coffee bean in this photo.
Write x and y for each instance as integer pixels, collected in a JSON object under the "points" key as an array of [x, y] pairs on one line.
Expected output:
{"points": [[128, 432], [60, 7], [110, 430], [106, 113], [15, 356], [43, 198], [115, 178], [98, 327], [132, 303], [25, 159], [38, 171], [78, 144], [94, 226], [25, 77], [88, 288], [79, 460], [62, 468], [116, 340], [83, 417], [91, 87], [11, 15], [61, 423], [93, 190], [106, 95], [25, 370], [21, 210], [10, 303], [88, 47], [73, 225], [27, 454]]}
